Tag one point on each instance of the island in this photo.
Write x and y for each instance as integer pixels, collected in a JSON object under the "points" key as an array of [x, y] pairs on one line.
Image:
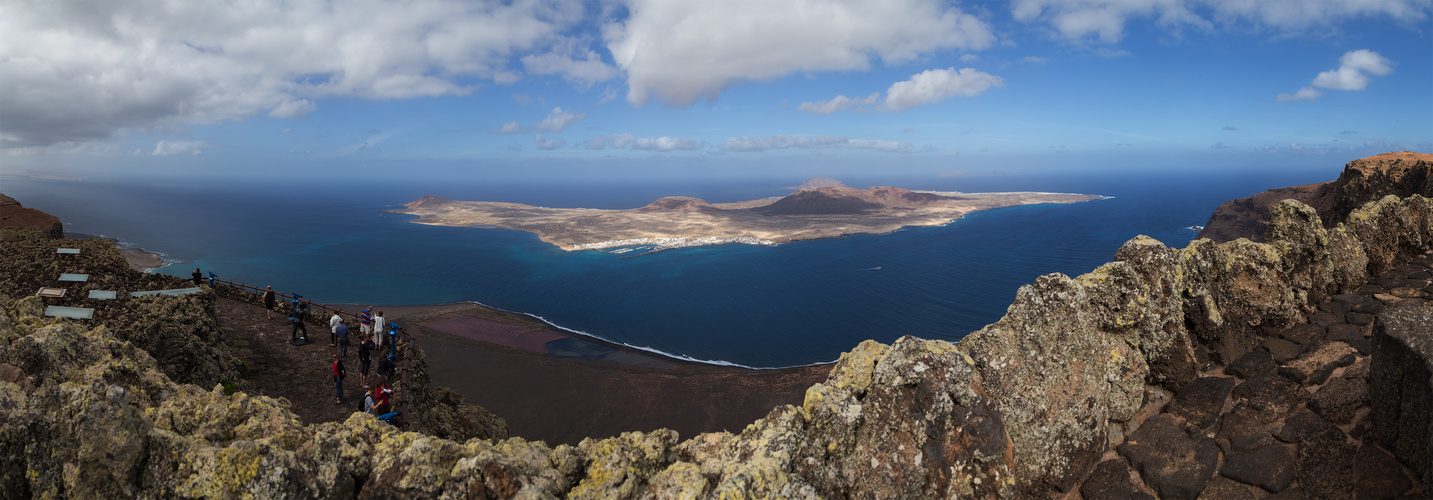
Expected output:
{"points": [[677, 221]]}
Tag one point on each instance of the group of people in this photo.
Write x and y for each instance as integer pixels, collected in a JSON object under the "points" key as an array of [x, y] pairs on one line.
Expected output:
{"points": [[370, 339], [370, 336]]}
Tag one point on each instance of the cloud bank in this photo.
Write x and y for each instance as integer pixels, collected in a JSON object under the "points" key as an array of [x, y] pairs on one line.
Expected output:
{"points": [[78, 71], [1103, 21], [757, 144], [679, 52]]}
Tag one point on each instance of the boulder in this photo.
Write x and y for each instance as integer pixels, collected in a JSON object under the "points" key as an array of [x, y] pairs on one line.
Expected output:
{"points": [[1337, 400], [1222, 488], [1267, 397], [1200, 402], [1401, 388], [1301, 426], [1256, 362], [1270, 467], [1111, 481], [1326, 465], [1379, 475], [1315, 367], [1173, 463], [1243, 433]]}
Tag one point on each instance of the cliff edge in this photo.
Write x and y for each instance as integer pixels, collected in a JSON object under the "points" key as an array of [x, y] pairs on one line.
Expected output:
{"points": [[13, 215], [1027, 406], [1363, 180]]}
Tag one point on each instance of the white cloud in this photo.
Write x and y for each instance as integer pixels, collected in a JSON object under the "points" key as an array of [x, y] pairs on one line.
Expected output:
{"points": [[969, 58], [666, 144], [596, 143], [297, 108], [79, 71], [609, 94], [1304, 94], [1350, 73], [679, 52], [815, 142], [1104, 20], [511, 128], [549, 144], [558, 120], [935, 85], [171, 148], [620, 141], [583, 72], [1033, 60], [286, 131], [840, 103]]}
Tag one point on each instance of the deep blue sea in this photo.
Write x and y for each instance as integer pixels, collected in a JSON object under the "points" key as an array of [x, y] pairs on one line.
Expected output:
{"points": [[792, 304]]}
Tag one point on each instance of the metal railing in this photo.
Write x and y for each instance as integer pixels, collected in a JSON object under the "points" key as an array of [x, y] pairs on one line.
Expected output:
{"points": [[393, 341]]}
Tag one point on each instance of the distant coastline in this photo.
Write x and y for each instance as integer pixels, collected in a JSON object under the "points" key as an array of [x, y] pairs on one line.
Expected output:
{"points": [[827, 211], [138, 259]]}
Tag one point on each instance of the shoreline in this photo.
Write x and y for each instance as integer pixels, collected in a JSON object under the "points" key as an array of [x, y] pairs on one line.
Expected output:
{"points": [[410, 316], [138, 258]]}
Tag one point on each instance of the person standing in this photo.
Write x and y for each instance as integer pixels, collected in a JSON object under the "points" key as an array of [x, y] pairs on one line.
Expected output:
{"points": [[365, 359], [333, 322], [381, 392], [269, 300], [338, 374], [378, 324], [198, 277], [365, 320], [341, 333]]}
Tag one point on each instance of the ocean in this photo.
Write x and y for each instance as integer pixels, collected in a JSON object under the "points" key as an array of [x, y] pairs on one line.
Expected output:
{"points": [[793, 304]]}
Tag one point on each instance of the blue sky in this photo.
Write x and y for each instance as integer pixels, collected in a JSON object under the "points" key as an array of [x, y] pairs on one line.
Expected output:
{"points": [[685, 88]]}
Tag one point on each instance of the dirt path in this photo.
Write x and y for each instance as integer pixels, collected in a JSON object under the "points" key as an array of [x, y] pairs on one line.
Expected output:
{"points": [[300, 374]]}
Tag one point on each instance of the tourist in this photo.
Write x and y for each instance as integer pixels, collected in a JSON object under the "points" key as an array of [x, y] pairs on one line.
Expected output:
{"points": [[378, 323], [381, 393], [338, 375], [300, 310], [333, 322], [386, 367], [198, 277], [365, 353], [269, 300], [341, 333], [365, 319], [368, 401]]}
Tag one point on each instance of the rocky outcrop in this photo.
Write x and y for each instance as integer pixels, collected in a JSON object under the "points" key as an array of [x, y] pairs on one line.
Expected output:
{"points": [[1249, 217], [14, 215], [1028, 406], [1363, 180]]}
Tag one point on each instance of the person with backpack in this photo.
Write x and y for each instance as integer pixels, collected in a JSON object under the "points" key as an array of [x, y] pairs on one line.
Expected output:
{"points": [[368, 402], [338, 374]]}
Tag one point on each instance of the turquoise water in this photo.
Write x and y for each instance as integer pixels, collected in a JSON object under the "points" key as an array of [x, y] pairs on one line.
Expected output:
{"points": [[792, 304]]}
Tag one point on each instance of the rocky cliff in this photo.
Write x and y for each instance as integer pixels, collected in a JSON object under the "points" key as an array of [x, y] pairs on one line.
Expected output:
{"points": [[1363, 180], [14, 215], [1026, 406]]}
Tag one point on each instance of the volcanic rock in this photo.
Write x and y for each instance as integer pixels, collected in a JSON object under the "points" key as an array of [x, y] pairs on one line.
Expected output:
{"points": [[1171, 461], [14, 215]]}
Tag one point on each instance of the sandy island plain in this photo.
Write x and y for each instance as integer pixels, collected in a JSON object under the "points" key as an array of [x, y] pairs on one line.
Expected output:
{"points": [[672, 222]]}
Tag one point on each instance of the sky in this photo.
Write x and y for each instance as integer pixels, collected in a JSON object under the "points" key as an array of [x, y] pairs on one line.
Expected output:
{"points": [[535, 88]]}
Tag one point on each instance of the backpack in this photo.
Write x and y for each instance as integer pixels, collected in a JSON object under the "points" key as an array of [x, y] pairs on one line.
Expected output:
{"points": [[366, 400]]}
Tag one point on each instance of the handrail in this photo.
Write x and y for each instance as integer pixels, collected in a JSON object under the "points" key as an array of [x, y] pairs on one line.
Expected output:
{"points": [[402, 371]]}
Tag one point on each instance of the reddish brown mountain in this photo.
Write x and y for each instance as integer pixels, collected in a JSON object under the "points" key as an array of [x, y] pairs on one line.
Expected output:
{"points": [[679, 203], [428, 201], [847, 201], [1363, 180], [12, 214]]}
